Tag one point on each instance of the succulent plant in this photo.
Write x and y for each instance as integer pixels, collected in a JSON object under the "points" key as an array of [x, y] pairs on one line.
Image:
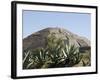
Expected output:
{"points": [[55, 54]]}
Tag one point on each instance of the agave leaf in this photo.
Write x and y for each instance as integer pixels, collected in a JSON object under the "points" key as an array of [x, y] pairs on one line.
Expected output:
{"points": [[26, 57]]}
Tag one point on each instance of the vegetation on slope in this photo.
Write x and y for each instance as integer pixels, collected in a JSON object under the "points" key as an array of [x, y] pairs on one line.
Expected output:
{"points": [[55, 54]]}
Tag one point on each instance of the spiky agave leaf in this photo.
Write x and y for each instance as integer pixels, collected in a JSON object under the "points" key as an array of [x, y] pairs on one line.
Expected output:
{"points": [[55, 54]]}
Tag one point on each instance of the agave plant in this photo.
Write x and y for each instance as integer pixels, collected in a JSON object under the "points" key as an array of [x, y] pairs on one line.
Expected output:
{"points": [[54, 50], [26, 59], [38, 58], [55, 54], [71, 54]]}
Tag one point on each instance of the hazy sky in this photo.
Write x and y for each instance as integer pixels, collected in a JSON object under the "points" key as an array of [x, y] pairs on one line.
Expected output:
{"points": [[78, 23]]}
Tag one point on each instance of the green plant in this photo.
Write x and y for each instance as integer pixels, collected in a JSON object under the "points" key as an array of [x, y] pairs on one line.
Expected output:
{"points": [[54, 47], [71, 54], [38, 58], [26, 59], [55, 54]]}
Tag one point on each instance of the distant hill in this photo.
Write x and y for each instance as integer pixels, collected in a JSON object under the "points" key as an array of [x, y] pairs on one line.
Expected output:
{"points": [[38, 39]]}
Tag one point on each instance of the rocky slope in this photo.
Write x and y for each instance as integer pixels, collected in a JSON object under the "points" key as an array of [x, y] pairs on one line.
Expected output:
{"points": [[38, 39]]}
